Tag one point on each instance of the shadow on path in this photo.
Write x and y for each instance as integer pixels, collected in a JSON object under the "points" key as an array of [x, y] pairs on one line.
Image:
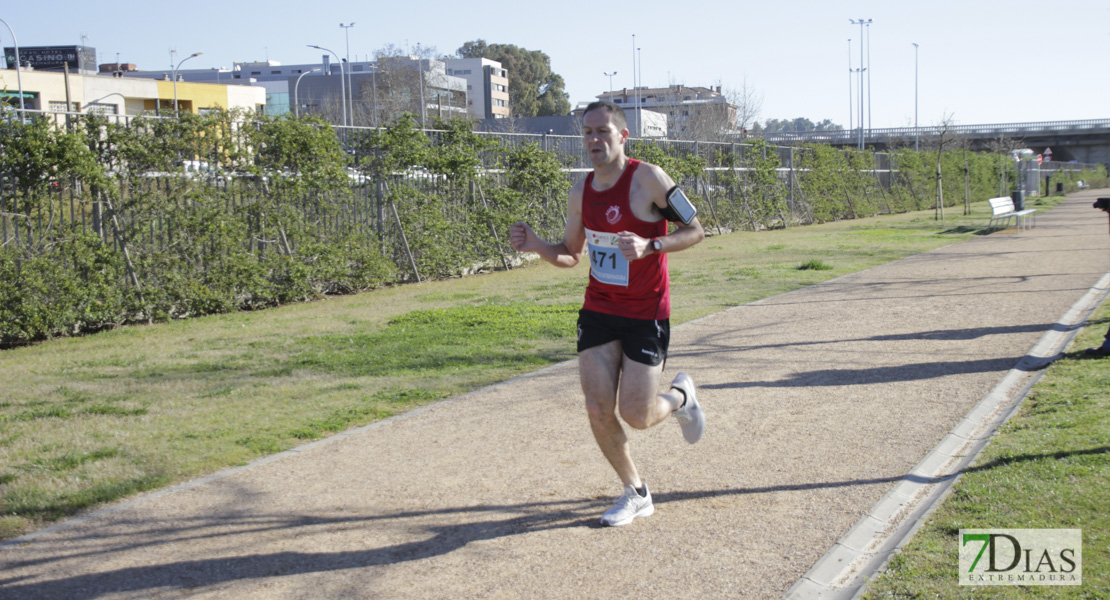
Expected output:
{"points": [[875, 375], [442, 539]]}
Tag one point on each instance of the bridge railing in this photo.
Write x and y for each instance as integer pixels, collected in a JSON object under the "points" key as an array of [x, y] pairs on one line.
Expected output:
{"points": [[1013, 130]]}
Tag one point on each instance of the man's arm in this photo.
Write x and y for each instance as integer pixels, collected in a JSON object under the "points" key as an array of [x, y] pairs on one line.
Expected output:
{"points": [[655, 183], [566, 253]]}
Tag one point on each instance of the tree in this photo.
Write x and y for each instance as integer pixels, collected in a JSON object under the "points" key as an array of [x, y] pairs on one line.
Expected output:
{"points": [[534, 89], [748, 104], [799, 125], [396, 88]]}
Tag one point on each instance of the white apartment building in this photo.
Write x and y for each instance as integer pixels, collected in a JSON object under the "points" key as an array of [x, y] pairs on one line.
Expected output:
{"points": [[487, 86]]}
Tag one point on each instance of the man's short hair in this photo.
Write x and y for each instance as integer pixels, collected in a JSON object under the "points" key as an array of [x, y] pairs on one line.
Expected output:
{"points": [[614, 109]]}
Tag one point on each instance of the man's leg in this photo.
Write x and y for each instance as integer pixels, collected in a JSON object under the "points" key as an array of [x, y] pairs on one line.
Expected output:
{"points": [[599, 369], [641, 406]]}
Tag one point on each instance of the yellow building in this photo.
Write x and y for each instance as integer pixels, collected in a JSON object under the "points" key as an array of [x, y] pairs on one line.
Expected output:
{"points": [[49, 91]]}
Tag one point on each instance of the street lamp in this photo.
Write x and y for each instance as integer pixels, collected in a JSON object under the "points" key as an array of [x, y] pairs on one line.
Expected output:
{"points": [[18, 76], [861, 23], [297, 103], [350, 86], [193, 55], [639, 111], [851, 108], [342, 85], [610, 76], [916, 138], [869, 75], [635, 87]]}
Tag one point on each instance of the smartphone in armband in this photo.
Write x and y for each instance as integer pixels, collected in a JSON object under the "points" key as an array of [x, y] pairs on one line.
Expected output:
{"points": [[679, 207]]}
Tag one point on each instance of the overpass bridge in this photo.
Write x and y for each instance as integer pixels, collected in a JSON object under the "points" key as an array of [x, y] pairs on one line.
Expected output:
{"points": [[1085, 141]]}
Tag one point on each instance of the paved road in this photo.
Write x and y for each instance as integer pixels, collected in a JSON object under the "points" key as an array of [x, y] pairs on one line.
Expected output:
{"points": [[820, 403]]}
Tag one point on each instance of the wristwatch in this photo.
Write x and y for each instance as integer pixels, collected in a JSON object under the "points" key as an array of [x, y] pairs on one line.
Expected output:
{"points": [[656, 245]]}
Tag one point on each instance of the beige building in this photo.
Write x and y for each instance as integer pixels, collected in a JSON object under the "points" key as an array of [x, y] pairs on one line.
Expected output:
{"points": [[692, 112], [487, 86]]}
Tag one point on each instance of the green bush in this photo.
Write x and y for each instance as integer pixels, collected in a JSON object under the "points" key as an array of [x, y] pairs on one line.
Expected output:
{"points": [[113, 229]]}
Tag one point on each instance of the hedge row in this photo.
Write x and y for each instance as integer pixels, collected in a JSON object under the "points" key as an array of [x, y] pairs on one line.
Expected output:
{"points": [[105, 224]]}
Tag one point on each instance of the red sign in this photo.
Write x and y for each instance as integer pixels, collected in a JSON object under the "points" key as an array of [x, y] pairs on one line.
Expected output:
{"points": [[1039, 158]]}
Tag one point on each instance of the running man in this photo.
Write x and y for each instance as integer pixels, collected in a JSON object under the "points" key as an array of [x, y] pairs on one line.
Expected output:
{"points": [[623, 327]]}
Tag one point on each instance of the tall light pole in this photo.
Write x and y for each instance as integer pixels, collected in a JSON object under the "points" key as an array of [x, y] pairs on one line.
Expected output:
{"points": [[639, 110], [342, 85], [296, 102], [610, 76], [916, 133], [423, 103], [851, 107], [18, 77], [193, 55], [861, 23], [350, 86], [635, 88], [869, 75]]}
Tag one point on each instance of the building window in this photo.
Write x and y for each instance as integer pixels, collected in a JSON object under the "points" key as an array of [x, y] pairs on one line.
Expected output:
{"points": [[62, 107], [618, 101], [102, 109], [275, 72], [256, 72]]}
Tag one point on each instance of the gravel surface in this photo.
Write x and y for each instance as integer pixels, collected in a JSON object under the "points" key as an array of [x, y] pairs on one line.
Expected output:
{"points": [[818, 402]]}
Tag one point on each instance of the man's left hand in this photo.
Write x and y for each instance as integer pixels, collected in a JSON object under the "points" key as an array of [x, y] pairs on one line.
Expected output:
{"points": [[632, 246]]}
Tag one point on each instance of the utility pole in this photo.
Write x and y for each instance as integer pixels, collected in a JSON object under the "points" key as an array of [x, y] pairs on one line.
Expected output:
{"points": [[916, 131], [869, 75], [635, 88], [851, 107], [861, 23], [350, 88]]}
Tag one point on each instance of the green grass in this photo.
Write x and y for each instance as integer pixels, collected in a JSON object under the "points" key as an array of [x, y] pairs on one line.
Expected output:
{"points": [[90, 420], [1048, 468]]}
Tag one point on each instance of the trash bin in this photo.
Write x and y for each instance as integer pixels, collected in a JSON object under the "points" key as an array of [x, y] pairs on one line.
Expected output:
{"points": [[1059, 188], [1019, 199]]}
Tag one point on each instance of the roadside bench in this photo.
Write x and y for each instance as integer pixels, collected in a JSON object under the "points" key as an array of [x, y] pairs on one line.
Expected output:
{"points": [[1002, 209]]}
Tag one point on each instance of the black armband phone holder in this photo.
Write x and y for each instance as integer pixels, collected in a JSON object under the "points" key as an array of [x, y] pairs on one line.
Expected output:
{"points": [[679, 207]]}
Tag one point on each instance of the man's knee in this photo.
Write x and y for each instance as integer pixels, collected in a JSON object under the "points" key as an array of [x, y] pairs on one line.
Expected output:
{"points": [[600, 412], [636, 409], [637, 418]]}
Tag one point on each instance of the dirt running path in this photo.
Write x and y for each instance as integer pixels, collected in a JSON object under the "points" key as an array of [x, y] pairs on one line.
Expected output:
{"points": [[818, 402]]}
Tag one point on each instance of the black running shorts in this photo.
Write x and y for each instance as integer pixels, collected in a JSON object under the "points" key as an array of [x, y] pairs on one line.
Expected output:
{"points": [[643, 340]]}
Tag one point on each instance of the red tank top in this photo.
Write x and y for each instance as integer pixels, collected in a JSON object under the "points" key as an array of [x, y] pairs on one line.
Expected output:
{"points": [[639, 289]]}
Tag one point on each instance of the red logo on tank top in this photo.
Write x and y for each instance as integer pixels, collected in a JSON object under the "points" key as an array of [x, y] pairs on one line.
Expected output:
{"points": [[613, 215]]}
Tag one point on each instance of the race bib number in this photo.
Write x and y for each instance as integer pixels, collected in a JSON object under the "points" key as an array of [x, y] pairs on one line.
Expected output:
{"points": [[607, 264]]}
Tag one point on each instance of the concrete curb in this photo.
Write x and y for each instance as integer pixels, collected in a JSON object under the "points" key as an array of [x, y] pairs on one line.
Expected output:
{"points": [[845, 570]]}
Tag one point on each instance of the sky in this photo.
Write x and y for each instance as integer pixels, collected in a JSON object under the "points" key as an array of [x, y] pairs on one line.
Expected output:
{"points": [[977, 61]]}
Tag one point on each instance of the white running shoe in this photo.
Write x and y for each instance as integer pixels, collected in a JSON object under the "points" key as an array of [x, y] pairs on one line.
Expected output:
{"points": [[629, 506], [690, 416]]}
